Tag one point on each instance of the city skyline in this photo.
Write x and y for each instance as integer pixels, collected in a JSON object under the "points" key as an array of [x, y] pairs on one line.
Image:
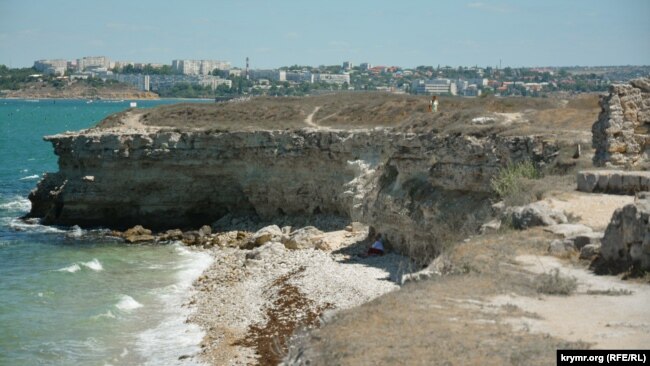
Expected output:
{"points": [[523, 33]]}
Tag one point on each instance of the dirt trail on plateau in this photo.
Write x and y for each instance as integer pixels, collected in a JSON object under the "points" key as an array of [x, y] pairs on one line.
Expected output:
{"points": [[310, 119]]}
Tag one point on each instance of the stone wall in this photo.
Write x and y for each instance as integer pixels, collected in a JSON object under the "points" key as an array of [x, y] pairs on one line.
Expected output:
{"points": [[398, 183], [621, 135]]}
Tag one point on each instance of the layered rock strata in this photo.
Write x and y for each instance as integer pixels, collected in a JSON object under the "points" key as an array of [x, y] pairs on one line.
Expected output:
{"points": [[401, 184], [621, 135]]}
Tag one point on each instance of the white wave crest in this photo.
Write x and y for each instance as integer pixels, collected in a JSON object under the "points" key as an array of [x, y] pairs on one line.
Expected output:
{"points": [[75, 232], [17, 204], [20, 225], [107, 314], [127, 303], [72, 269], [31, 177], [94, 264]]}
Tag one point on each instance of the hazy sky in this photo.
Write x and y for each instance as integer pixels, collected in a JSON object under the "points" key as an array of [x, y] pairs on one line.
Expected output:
{"points": [[276, 33]]}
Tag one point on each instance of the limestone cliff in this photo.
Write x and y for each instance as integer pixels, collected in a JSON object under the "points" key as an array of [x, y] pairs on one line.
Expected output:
{"points": [[400, 183], [621, 135]]}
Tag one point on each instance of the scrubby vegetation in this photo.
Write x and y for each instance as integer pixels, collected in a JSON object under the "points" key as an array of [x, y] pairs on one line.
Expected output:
{"points": [[553, 283]]}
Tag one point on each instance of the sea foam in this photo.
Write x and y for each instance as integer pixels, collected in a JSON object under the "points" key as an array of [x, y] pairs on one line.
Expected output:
{"points": [[31, 177], [127, 303], [173, 336], [21, 204], [72, 269], [94, 264]]}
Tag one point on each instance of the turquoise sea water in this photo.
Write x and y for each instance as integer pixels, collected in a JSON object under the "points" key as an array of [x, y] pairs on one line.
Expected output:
{"points": [[70, 296]]}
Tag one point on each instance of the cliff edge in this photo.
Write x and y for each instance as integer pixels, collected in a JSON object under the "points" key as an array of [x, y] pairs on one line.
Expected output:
{"points": [[136, 168]]}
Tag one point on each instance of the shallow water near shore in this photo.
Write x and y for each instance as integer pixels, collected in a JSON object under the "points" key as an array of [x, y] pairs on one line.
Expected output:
{"points": [[70, 296]]}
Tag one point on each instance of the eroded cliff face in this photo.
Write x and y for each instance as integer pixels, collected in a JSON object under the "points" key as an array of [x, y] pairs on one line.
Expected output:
{"points": [[621, 135], [403, 185]]}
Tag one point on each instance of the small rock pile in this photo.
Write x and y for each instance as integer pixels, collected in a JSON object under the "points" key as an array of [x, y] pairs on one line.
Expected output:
{"points": [[303, 238]]}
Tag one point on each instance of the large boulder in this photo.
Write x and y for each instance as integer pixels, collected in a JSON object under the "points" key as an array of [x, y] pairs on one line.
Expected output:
{"points": [[534, 214], [304, 238], [138, 234], [627, 238]]}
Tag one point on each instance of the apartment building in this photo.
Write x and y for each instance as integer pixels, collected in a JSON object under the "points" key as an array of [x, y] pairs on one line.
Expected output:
{"points": [[199, 67], [332, 78], [434, 86], [271, 74], [93, 62], [300, 76], [51, 67]]}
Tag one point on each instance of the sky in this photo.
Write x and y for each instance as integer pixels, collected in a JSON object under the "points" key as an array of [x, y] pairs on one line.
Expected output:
{"points": [[283, 33]]}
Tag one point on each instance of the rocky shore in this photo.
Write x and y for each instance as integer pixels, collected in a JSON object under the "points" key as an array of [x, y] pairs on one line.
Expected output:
{"points": [[266, 286]]}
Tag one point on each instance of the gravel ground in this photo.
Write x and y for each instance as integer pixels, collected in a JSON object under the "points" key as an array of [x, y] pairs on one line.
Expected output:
{"points": [[250, 301]]}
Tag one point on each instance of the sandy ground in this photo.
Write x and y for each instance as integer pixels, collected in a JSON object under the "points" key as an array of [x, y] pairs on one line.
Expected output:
{"points": [[592, 209], [618, 321]]}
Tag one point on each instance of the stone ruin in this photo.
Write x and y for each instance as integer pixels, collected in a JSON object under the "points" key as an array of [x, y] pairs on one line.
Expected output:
{"points": [[621, 135]]}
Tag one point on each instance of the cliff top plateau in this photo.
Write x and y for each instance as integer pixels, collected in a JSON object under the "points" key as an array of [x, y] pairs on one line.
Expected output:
{"points": [[407, 113]]}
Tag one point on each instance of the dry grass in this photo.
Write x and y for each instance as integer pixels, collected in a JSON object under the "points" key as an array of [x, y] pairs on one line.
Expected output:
{"points": [[446, 320], [553, 283], [371, 109]]}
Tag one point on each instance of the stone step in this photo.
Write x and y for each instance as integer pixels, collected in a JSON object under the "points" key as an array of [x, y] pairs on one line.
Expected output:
{"points": [[613, 181]]}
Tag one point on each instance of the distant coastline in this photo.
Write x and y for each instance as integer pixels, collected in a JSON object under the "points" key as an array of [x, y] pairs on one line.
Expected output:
{"points": [[113, 92]]}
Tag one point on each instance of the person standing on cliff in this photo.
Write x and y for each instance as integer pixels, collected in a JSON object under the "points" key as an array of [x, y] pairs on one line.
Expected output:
{"points": [[433, 105]]}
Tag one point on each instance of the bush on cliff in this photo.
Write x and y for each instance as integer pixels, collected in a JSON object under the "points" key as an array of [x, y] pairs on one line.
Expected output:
{"points": [[513, 182]]}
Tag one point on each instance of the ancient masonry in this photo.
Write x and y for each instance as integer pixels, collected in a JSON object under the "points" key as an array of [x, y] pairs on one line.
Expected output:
{"points": [[621, 136]]}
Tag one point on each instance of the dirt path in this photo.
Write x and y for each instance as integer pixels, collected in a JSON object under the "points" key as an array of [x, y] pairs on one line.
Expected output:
{"points": [[310, 119]]}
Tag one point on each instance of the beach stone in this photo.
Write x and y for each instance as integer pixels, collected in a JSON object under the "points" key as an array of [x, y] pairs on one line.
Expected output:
{"points": [[139, 238], [137, 230], [303, 238], [138, 234], [191, 237], [205, 230], [266, 251], [266, 234], [173, 234]]}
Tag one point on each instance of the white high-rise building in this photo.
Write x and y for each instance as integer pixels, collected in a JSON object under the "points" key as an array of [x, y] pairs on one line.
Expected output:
{"points": [[199, 67], [93, 62], [51, 67]]}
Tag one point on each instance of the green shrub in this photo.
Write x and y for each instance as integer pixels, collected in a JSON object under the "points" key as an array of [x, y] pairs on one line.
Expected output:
{"points": [[511, 180]]}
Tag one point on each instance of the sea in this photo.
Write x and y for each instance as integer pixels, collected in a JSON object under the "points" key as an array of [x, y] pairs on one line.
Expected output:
{"points": [[70, 296]]}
